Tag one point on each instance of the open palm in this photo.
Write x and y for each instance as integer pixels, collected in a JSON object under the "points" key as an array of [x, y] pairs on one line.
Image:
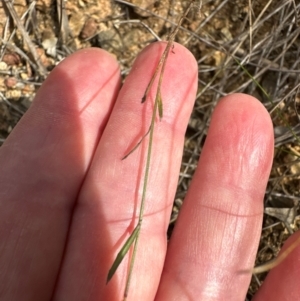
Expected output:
{"points": [[68, 201]]}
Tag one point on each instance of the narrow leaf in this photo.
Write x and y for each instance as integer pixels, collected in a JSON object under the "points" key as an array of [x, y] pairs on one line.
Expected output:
{"points": [[138, 144], [123, 252]]}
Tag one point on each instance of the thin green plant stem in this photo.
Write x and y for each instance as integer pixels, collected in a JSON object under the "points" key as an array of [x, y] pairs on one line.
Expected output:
{"points": [[146, 177], [158, 107]]}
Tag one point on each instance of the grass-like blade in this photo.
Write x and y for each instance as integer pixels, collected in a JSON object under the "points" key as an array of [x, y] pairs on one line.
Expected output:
{"points": [[123, 252], [138, 144]]}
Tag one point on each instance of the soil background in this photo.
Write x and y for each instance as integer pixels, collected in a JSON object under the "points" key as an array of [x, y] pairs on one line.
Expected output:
{"points": [[240, 45]]}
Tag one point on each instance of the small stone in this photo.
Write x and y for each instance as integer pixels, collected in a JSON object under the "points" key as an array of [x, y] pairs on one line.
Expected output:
{"points": [[11, 59], [50, 46], [227, 34], [10, 82], [13, 94], [24, 76], [43, 57], [295, 169], [89, 29], [29, 88], [3, 66]]}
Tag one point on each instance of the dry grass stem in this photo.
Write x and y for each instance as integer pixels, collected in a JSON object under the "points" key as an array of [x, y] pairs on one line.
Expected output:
{"points": [[19, 25]]}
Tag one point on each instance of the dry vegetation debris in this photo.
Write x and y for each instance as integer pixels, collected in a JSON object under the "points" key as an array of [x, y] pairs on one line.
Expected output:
{"points": [[240, 45]]}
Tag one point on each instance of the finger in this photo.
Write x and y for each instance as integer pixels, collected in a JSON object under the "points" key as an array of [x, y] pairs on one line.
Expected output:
{"points": [[43, 163], [284, 278], [217, 233], [110, 198]]}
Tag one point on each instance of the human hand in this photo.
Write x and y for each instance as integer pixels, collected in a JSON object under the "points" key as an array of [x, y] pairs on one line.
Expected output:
{"points": [[67, 198]]}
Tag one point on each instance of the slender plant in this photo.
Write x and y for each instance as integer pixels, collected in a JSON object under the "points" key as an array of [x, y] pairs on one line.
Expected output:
{"points": [[157, 109]]}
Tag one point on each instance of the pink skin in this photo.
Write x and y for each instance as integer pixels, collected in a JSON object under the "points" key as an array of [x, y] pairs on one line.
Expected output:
{"points": [[67, 200]]}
